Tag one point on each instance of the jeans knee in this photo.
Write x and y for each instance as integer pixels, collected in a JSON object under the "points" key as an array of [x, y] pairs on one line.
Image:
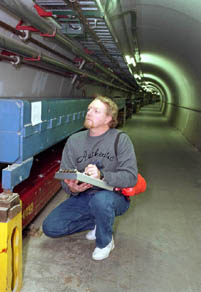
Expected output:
{"points": [[46, 229], [50, 230], [101, 202]]}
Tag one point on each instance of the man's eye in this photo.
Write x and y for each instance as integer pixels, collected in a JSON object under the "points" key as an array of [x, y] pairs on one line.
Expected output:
{"points": [[94, 110]]}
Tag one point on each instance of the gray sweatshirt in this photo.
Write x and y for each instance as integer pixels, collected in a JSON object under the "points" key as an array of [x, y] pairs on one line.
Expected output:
{"points": [[119, 170]]}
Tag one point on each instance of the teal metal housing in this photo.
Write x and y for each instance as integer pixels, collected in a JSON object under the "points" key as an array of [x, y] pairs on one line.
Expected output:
{"points": [[29, 127]]}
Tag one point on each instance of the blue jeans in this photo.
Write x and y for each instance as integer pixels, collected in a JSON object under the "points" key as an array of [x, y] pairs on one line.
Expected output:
{"points": [[83, 212]]}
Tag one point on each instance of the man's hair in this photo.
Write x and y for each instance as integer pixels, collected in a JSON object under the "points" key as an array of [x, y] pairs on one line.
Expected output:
{"points": [[112, 110]]}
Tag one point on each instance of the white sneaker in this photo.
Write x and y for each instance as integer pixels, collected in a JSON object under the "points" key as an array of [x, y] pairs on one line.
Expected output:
{"points": [[103, 253], [91, 235]]}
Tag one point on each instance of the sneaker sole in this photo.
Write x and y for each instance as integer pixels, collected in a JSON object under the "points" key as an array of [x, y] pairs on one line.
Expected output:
{"points": [[90, 238], [100, 259]]}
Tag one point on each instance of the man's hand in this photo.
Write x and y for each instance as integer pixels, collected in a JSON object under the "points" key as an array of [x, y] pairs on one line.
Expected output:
{"points": [[75, 186], [92, 170]]}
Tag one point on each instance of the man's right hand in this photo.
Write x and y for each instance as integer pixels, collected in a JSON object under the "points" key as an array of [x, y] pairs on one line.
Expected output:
{"points": [[75, 186]]}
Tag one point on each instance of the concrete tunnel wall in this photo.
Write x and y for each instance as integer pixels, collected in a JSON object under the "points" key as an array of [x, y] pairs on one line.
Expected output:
{"points": [[170, 42]]}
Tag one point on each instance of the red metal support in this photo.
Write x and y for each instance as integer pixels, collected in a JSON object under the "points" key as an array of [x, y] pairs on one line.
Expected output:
{"points": [[77, 61], [49, 35], [7, 53], [42, 12], [87, 51], [33, 59], [22, 27]]}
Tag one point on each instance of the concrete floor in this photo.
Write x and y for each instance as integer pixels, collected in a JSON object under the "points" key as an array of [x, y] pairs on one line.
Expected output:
{"points": [[158, 241]]}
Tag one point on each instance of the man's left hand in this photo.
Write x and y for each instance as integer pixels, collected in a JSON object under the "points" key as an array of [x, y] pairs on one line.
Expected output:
{"points": [[76, 187]]}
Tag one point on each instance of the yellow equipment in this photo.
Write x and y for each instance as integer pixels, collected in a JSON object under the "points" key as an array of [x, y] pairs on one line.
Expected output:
{"points": [[10, 243]]}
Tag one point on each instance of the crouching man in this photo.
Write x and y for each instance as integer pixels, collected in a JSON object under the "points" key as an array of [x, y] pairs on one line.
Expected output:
{"points": [[93, 151]]}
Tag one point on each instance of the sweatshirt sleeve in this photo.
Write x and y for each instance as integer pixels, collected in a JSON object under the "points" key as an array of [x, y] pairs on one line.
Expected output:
{"points": [[67, 163], [126, 172]]}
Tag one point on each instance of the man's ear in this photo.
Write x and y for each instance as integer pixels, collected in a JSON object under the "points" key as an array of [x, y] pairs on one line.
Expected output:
{"points": [[108, 119]]}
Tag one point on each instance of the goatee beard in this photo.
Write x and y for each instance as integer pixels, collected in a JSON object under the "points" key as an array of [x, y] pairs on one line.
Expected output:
{"points": [[88, 124]]}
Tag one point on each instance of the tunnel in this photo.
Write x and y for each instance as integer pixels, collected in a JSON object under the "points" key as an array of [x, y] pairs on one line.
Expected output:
{"points": [[55, 58]]}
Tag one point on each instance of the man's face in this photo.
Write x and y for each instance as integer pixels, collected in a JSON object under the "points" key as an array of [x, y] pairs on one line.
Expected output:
{"points": [[96, 116]]}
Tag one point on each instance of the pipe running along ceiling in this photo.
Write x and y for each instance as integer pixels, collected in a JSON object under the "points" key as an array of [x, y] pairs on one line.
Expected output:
{"points": [[121, 81]]}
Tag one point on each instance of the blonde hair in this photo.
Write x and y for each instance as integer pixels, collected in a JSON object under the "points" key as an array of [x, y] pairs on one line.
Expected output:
{"points": [[112, 109]]}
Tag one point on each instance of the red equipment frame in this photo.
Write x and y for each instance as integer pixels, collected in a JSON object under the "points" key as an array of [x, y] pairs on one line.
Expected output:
{"points": [[41, 186]]}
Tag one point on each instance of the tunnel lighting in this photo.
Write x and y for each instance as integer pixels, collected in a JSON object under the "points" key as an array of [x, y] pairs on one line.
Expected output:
{"points": [[137, 55], [130, 70], [155, 87], [137, 76], [164, 87], [175, 73], [130, 60], [133, 62]]}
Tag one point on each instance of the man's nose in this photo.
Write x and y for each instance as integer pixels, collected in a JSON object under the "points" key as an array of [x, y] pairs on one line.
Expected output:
{"points": [[89, 112]]}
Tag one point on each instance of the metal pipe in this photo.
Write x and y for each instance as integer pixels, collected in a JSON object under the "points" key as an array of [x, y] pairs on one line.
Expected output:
{"points": [[28, 52], [22, 11], [34, 41], [8, 58], [13, 60]]}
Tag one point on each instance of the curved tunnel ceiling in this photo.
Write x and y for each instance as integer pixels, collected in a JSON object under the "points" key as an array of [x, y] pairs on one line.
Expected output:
{"points": [[167, 34], [173, 79]]}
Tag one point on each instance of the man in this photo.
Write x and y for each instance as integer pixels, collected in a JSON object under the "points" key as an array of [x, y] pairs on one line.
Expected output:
{"points": [[93, 151]]}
